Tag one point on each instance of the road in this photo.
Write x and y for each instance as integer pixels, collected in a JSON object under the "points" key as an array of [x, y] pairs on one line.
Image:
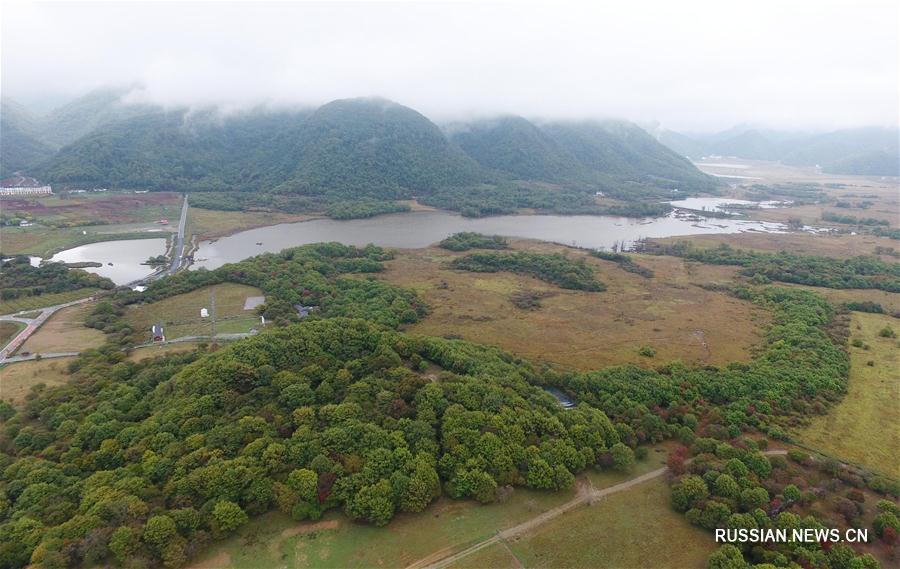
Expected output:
{"points": [[586, 495], [31, 325], [178, 250]]}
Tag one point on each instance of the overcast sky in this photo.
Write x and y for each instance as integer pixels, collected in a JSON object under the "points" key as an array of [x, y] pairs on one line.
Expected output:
{"points": [[693, 65]]}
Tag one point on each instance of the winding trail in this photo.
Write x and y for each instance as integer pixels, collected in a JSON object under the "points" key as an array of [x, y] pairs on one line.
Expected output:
{"points": [[586, 495]]}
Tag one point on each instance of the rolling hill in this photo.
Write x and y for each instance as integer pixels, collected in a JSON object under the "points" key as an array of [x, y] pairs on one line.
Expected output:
{"points": [[20, 144], [365, 148]]}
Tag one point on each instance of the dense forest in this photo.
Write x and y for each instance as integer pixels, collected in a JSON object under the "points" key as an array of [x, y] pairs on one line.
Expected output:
{"points": [[19, 278], [150, 461], [735, 487], [858, 272], [146, 462], [551, 267]]}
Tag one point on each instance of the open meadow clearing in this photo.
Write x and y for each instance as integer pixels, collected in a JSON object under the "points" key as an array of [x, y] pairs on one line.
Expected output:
{"points": [[65, 332], [44, 300], [157, 350], [587, 330], [180, 315], [16, 380], [210, 224], [865, 426], [631, 529], [95, 208], [445, 527]]}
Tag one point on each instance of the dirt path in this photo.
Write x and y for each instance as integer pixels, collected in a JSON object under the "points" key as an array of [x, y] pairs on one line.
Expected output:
{"points": [[585, 495]]}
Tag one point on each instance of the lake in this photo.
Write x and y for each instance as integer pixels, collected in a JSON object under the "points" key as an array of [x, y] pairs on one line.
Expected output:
{"points": [[420, 229], [125, 255]]}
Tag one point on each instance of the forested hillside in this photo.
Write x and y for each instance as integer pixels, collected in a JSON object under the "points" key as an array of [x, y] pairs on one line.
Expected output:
{"points": [[20, 143], [350, 150]]}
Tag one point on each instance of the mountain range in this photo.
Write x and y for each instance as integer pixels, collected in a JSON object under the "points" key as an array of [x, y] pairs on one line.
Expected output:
{"points": [[351, 148], [870, 151]]}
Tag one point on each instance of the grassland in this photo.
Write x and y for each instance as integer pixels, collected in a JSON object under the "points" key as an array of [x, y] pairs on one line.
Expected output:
{"points": [[180, 315], [8, 331], [865, 426], [273, 540], [44, 300], [16, 380], [96, 208], [65, 332], [841, 246], [157, 350], [447, 526], [209, 224], [47, 241], [586, 330], [631, 529]]}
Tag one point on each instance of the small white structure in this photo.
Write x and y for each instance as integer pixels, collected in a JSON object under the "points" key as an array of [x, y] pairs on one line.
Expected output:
{"points": [[204, 313], [26, 191]]}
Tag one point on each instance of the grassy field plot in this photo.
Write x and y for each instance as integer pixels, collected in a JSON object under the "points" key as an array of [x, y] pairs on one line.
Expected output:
{"points": [[65, 332], [631, 529], [445, 527], [495, 556], [865, 426], [16, 380], [8, 331], [47, 241], [587, 330], [273, 540], [96, 208], [44, 300], [157, 350], [180, 315], [209, 224]]}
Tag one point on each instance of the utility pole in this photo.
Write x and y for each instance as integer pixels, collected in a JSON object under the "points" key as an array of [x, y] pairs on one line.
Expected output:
{"points": [[212, 311]]}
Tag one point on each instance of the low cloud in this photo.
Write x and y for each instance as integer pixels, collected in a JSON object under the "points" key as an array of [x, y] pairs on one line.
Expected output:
{"points": [[693, 65]]}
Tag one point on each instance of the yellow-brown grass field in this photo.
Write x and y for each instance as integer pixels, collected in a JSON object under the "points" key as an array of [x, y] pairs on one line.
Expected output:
{"points": [[633, 528], [586, 330], [210, 224], [838, 245], [865, 426], [16, 380], [65, 332], [41, 301]]}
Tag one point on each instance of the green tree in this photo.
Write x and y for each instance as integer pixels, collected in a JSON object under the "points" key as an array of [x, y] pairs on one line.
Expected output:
{"points": [[226, 517]]}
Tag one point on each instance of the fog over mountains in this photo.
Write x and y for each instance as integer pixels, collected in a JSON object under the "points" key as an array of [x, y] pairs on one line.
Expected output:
{"points": [[366, 147], [863, 151]]}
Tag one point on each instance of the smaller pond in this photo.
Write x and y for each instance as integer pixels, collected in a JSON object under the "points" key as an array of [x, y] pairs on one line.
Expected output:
{"points": [[726, 205], [563, 399], [121, 259]]}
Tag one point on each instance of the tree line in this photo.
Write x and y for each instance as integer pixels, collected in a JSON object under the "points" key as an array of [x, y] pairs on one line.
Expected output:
{"points": [[555, 268], [857, 272], [18, 278]]}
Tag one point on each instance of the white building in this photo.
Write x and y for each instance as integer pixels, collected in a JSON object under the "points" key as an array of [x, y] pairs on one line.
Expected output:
{"points": [[26, 191]]}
